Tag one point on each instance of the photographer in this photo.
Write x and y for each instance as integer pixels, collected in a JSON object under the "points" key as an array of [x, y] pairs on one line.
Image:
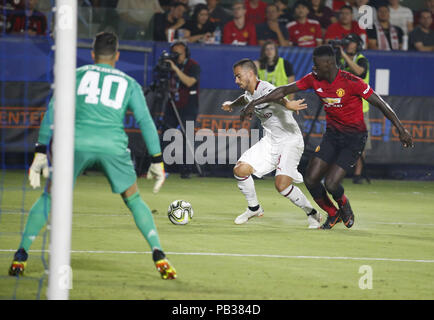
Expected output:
{"points": [[353, 61], [184, 90]]}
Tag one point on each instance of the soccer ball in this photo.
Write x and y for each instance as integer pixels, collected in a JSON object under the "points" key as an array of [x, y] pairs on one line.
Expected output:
{"points": [[180, 212]]}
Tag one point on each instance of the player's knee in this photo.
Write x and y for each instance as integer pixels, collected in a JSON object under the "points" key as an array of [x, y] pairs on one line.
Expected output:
{"points": [[242, 170], [130, 191], [310, 181], [282, 184]]}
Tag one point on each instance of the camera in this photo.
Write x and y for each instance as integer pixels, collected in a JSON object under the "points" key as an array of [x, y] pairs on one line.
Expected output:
{"points": [[162, 63], [339, 43], [162, 70]]}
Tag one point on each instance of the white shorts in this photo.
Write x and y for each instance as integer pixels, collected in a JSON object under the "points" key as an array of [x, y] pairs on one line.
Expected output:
{"points": [[265, 157]]}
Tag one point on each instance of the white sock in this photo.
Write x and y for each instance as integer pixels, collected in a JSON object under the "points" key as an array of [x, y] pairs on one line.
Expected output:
{"points": [[297, 197], [247, 187]]}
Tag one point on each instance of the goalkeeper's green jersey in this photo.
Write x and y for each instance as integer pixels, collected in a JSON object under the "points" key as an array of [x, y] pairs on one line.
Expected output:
{"points": [[103, 96]]}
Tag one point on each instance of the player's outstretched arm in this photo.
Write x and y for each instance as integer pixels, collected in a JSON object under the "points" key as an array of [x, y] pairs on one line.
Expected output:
{"points": [[294, 105], [275, 95], [404, 135], [238, 102]]}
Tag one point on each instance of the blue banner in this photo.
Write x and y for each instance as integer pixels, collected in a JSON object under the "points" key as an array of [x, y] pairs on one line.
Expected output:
{"points": [[403, 73]]}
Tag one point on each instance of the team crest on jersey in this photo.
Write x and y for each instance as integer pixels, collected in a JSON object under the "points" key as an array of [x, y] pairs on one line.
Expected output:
{"points": [[340, 92]]}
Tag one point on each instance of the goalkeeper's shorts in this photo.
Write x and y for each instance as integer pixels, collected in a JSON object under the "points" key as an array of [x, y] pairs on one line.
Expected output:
{"points": [[118, 169]]}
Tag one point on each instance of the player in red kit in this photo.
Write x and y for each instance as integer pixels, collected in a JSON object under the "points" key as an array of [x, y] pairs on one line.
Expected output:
{"points": [[341, 94]]}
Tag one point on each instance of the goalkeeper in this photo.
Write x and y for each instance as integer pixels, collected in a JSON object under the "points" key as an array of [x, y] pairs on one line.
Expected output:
{"points": [[103, 96]]}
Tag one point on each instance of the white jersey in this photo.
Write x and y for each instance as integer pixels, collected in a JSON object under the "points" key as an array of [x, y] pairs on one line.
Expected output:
{"points": [[278, 123]]}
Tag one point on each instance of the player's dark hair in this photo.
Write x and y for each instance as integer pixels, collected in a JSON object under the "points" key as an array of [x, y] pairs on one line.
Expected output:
{"points": [[246, 63], [324, 51], [346, 7], [105, 44]]}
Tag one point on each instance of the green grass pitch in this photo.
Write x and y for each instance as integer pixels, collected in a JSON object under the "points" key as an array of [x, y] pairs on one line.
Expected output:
{"points": [[273, 257]]}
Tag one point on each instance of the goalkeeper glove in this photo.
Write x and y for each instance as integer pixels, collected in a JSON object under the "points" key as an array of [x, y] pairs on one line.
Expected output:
{"points": [[156, 170], [40, 163]]}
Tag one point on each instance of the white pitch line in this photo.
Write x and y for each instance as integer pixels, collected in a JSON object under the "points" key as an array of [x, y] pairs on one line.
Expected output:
{"points": [[218, 218], [243, 255]]}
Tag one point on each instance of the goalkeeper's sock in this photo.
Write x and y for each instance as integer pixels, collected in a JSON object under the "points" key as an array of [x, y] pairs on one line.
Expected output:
{"points": [[297, 197], [38, 216], [247, 187], [144, 220]]}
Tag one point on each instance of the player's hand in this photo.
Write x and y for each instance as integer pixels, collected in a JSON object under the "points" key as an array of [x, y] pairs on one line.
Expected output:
{"points": [[295, 105], [156, 171], [39, 164], [227, 106], [247, 112], [406, 138]]}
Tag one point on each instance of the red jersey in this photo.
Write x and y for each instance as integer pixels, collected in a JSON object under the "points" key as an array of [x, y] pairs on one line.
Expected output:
{"points": [[335, 30], [337, 4], [244, 36], [342, 100], [304, 34], [19, 22], [257, 15]]}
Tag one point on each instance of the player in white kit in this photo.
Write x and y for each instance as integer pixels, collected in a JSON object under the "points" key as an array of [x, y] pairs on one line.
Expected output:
{"points": [[280, 149]]}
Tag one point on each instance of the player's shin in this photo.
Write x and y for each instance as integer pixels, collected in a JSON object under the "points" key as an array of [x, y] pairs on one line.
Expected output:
{"points": [[38, 216], [320, 196], [297, 197], [144, 220], [340, 197], [247, 187]]}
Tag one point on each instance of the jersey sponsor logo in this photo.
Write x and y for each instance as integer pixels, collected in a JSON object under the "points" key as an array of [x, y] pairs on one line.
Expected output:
{"points": [[340, 92], [332, 102]]}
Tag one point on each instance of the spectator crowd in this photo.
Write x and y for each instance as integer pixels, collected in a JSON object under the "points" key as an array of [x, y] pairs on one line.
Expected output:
{"points": [[381, 24]]}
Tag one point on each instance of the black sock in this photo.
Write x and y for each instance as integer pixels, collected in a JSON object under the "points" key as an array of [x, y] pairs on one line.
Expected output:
{"points": [[158, 255], [254, 208]]}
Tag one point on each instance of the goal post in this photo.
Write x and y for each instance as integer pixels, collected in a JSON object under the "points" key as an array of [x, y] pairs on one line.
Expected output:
{"points": [[65, 32]]}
